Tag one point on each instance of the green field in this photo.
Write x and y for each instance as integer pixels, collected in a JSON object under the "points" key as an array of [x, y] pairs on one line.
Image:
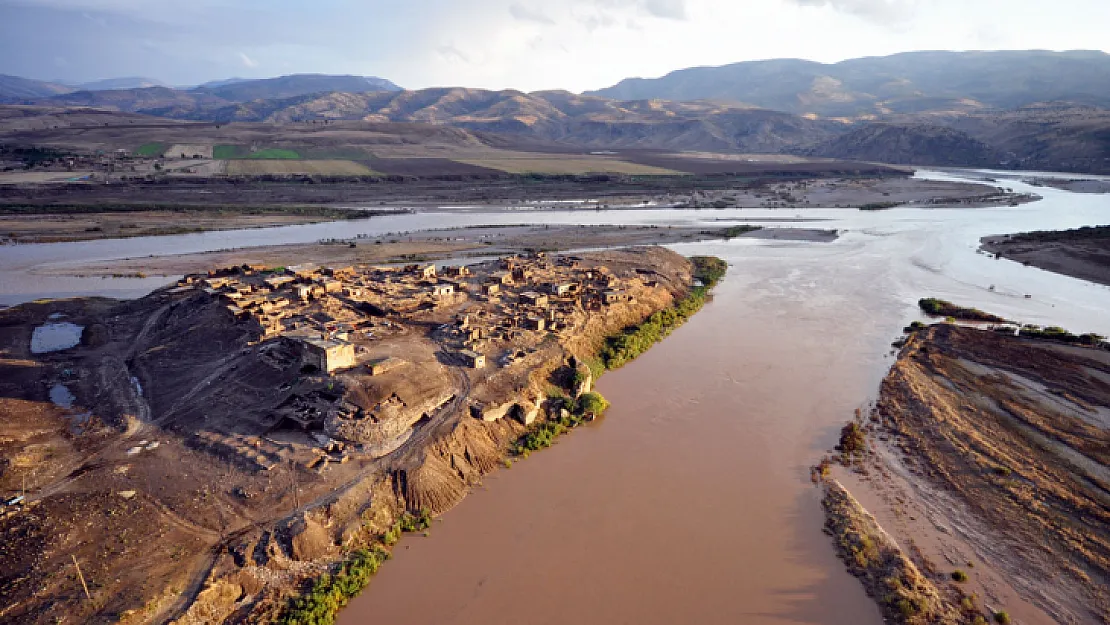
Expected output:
{"points": [[232, 152], [275, 153], [150, 149], [226, 152]]}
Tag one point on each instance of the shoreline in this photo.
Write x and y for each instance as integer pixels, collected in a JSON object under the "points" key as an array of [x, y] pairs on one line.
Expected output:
{"points": [[1083, 253], [957, 508], [457, 244]]}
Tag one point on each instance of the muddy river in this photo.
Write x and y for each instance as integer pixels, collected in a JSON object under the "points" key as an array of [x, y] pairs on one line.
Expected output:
{"points": [[690, 501]]}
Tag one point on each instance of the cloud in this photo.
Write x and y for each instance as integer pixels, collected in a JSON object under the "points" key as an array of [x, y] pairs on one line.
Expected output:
{"points": [[666, 9], [451, 53], [526, 14], [247, 61], [877, 10]]}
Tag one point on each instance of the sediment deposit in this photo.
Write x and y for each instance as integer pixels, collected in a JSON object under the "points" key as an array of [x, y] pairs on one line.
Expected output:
{"points": [[990, 457]]}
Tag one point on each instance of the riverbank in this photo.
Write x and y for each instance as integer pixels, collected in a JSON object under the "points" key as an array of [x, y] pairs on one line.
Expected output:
{"points": [[1082, 253], [56, 227], [983, 445], [457, 244]]}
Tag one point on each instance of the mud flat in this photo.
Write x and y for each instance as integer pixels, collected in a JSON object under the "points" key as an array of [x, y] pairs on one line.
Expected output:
{"points": [[987, 463], [1079, 185], [459, 244], [1081, 253], [52, 228], [83, 226], [209, 462]]}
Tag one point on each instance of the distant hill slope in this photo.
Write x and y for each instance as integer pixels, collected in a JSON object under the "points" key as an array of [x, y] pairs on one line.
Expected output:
{"points": [[118, 90], [240, 90], [548, 116], [16, 88], [130, 82], [901, 83]]}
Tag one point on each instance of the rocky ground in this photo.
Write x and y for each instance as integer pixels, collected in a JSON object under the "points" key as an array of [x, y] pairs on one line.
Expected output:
{"points": [[987, 463]]}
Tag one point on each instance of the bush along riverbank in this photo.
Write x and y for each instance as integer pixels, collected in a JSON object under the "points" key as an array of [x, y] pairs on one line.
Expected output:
{"points": [[622, 348], [635, 340], [331, 592]]}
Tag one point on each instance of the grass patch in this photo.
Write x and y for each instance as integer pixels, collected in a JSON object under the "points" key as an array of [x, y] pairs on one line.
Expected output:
{"points": [[941, 308], [735, 231], [150, 149], [879, 206], [275, 153], [226, 152], [1056, 333]]}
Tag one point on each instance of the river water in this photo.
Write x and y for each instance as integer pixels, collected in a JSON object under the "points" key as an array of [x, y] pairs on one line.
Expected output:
{"points": [[690, 501]]}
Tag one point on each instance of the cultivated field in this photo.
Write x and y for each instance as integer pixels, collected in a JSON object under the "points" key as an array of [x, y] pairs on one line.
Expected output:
{"points": [[551, 164], [255, 167]]}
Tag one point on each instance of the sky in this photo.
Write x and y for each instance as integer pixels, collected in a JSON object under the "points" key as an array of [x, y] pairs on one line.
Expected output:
{"points": [[523, 44]]}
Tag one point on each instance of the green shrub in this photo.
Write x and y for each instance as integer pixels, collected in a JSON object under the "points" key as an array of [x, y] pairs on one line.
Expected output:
{"points": [[591, 404], [1002, 617], [331, 593], [959, 576], [853, 439]]}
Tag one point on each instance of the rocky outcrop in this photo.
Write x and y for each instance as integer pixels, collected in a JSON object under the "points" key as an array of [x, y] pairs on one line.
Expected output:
{"points": [[390, 419], [309, 540]]}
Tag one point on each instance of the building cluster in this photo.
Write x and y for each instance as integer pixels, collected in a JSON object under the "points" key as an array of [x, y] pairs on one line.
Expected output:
{"points": [[332, 315]]}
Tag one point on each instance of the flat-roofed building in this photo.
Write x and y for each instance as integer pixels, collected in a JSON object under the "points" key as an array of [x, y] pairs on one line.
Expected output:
{"points": [[531, 298], [473, 359], [385, 365], [328, 356]]}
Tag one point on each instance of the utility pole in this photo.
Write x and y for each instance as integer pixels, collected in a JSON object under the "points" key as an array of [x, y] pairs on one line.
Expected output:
{"points": [[81, 577], [293, 477]]}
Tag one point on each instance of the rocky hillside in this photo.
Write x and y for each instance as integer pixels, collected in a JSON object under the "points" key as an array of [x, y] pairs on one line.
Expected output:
{"points": [[911, 144], [902, 83]]}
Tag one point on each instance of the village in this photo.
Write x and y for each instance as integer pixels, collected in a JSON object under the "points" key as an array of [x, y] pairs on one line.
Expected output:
{"points": [[406, 343]]}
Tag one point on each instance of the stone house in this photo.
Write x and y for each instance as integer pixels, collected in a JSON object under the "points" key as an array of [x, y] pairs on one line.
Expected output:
{"points": [[328, 356], [473, 359], [531, 298]]}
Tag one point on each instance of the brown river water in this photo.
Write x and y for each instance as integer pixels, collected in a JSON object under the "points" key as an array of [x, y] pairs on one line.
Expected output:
{"points": [[690, 501]]}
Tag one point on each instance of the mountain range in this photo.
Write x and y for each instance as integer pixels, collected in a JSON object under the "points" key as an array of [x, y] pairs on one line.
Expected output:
{"points": [[232, 89], [912, 82], [1032, 109]]}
